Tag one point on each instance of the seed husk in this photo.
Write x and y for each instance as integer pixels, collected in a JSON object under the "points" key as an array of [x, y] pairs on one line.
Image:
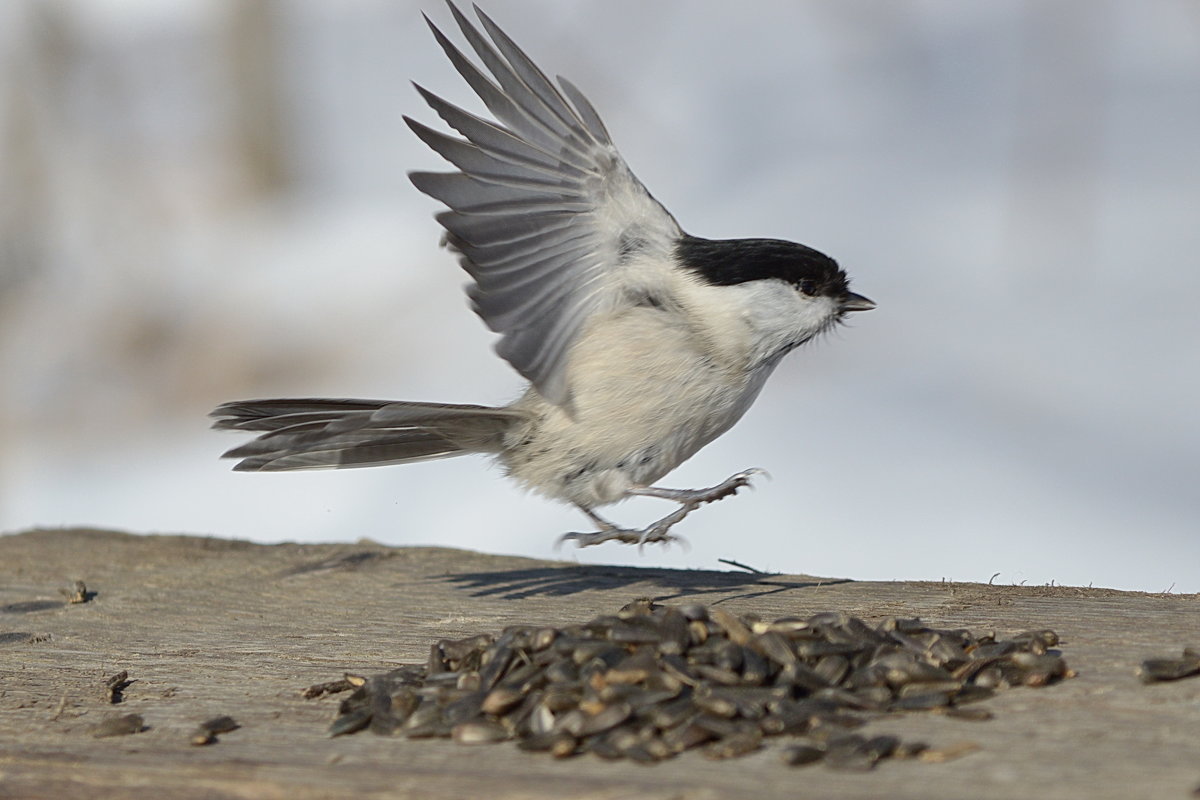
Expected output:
{"points": [[501, 699], [969, 714], [350, 722], [328, 687], [910, 749], [119, 726], [882, 746], [737, 744], [206, 732], [544, 742], [652, 681], [922, 701], [799, 755], [849, 752], [77, 594], [479, 731], [686, 736], [1154, 670], [116, 685], [948, 753]]}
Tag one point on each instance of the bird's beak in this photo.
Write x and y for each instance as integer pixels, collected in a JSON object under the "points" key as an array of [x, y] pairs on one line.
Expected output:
{"points": [[856, 302]]}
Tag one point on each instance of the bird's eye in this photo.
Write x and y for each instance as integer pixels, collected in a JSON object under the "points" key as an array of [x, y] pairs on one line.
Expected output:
{"points": [[807, 286]]}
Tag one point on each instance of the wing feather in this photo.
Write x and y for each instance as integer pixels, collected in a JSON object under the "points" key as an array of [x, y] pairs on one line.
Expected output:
{"points": [[545, 214], [507, 307], [497, 98], [487, 135], [491, 231], [587, 113], [523, 256], [463, 191], [533, 113], [533, 78], [479, 161]]}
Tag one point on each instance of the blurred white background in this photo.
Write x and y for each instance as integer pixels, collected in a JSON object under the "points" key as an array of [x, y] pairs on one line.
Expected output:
{"points": [[203, 201]]}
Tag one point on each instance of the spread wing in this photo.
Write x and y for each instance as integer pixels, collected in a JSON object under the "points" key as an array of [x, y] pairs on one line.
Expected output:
{"points": [[543, 210]]}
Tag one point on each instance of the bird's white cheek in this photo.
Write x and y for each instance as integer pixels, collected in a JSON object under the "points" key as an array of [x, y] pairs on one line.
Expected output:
{"points": [[812, 315], [779, 318]]}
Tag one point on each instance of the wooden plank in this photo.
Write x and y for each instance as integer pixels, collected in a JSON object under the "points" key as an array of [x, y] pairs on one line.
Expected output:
{"points": [[208, 627]]}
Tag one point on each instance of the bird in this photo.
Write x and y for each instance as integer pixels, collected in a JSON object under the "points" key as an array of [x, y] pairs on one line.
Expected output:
{"points": [[640, 343]]}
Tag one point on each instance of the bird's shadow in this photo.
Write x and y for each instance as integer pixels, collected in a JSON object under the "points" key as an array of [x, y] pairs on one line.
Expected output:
{"points": [[516, 584]]}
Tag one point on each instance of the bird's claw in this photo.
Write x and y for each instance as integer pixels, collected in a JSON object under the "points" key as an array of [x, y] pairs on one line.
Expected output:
{"points": [[654, 534], [731, 485], [697, 497]]}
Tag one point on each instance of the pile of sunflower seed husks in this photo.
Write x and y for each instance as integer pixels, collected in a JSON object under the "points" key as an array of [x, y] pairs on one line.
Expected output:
{"points": [[653, 681]]}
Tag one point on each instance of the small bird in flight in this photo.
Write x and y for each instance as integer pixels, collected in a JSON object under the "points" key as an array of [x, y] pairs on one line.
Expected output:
{"points": [[641, 343]]}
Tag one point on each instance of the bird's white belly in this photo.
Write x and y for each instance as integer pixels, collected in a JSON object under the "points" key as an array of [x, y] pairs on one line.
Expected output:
{"points": [[637, 411]]}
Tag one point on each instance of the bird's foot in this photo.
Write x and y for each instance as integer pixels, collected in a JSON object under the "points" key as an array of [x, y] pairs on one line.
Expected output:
{"points": [[655, 533], [694, 497]]}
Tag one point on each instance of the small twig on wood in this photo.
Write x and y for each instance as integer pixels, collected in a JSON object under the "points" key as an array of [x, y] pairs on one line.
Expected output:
{"points": [[740, 565]]}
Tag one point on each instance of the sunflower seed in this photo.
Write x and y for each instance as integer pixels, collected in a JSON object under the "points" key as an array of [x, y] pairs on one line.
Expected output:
{"points": [[652, 681], [1153, 670], [114, 686], [206, 732], [799, 755], [119, 726], [479, 732], [737, 744], [77, 594]]}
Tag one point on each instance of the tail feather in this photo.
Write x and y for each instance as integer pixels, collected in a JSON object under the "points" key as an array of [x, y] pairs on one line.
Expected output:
{"points": [[338, 434]]}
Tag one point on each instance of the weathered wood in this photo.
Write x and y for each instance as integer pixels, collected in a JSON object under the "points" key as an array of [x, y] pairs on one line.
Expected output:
{"points": [[207, 627]]}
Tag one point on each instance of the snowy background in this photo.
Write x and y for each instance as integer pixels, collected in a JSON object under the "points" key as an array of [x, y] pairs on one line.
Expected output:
{"points": [[203, 201]]}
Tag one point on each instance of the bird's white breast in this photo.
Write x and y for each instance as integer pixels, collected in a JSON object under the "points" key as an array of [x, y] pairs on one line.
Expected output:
{"points": [[650, 385]]}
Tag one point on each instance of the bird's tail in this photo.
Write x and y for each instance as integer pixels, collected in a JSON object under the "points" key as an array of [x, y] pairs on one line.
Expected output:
{"points": [[336, 434]]}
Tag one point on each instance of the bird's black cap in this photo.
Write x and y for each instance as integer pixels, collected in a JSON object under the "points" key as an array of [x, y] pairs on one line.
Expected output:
{"points": [[726, 262]]}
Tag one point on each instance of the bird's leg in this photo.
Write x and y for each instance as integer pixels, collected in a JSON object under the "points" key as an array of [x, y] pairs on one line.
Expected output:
{"points": [[599, 521], [612, 533], [607, 533], [697, 497], [651, 534], [689, 500]]}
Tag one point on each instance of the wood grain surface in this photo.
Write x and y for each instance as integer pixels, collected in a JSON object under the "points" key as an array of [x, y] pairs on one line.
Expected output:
{"points": [[207, 627]]}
